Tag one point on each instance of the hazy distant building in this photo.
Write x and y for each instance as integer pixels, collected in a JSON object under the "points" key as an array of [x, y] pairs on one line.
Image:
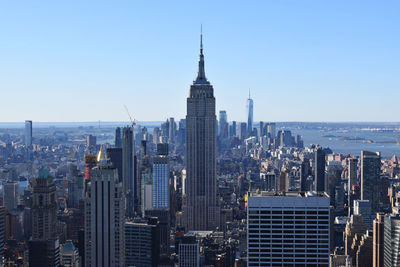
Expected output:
{"points": [[201, 211], [223, 124], [370, 178], [271, 129], [282, 229], [320, 170], [242, 131], [249, 115], [104, 219], [91, 141], [118, 142], [28, 133]]}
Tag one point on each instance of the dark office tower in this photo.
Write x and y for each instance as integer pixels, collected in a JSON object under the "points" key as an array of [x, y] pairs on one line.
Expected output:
{"points": [[249, 115], [370, 178], [28, 133], [201, 211], [305, 171], [377, 257], [352, 172], [118, 142], [242, 131], [391, 241], [44, 247], [172, 131], [233, 132], [115, 156], [142, 247], [319, 170], [128, 169]]}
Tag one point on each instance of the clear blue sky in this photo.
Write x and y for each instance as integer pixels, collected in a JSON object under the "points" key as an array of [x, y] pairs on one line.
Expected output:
{"points": [[303, 60]]}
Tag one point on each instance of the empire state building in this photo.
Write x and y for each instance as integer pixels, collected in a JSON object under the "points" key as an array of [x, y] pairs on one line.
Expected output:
{"points": [[200, 209]]}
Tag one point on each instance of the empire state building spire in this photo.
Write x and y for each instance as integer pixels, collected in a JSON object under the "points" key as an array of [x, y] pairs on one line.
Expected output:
{"points": [[201, 75]]}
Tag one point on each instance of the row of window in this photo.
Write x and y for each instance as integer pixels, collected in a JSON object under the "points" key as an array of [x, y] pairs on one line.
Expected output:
{"points": [[306, 211]]}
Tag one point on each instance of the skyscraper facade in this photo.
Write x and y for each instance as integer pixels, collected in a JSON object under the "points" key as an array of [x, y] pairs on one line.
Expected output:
{"points": [[319, 170], [104, 219], [223, 124], [161, 178], [128, 169], [378, 237], [44, 248], [391, 241], [249, 115], [370, 178], [28, 133], [117, 141], [11, 195], [201, 211], [291, 229]]}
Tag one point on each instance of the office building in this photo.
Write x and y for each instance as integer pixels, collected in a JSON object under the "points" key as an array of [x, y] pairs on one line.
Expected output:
{"points": [[104, 218], [189, 252], [370, 178], [118, 142], [352, 173], [11, 195], [305, 171], [355, 228], [320, 170], [44, 207], [391, 240], [378, 244], [289, 229], [142, 243], [271, 129], [128, 170], [201, 211], [91, 141], [172, 131], [161, 178], [242, 131], [115, 157], [44, 248], [249, 115], [28, 133], [223, 124], [363, 207]]}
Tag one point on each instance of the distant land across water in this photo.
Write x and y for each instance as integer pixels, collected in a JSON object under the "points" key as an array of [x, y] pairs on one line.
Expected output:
{"points": [[341, 137]]}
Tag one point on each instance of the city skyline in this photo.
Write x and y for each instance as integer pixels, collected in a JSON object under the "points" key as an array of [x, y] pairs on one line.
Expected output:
{"points": [[82, 62]]}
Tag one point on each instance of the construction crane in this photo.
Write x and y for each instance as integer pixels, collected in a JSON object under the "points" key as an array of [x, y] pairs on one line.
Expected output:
{"points": [[133, 121]]}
